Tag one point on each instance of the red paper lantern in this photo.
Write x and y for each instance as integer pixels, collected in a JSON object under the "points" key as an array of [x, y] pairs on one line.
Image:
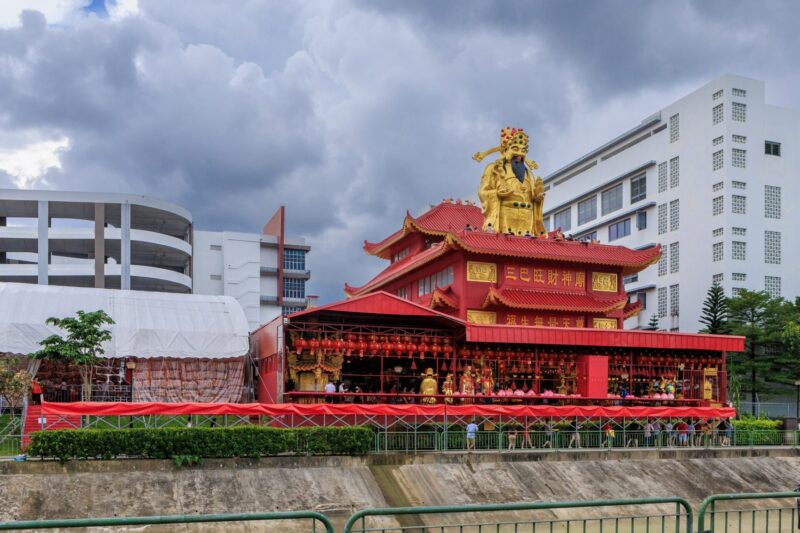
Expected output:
{"points": [[300, 344], [362, 347], [313, 344]]}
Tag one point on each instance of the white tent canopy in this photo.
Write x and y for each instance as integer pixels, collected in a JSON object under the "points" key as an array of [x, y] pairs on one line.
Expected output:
{"points": [[147, 324]]}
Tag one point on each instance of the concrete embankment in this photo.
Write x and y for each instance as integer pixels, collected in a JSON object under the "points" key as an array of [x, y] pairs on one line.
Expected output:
{"points": [[339, 486]]}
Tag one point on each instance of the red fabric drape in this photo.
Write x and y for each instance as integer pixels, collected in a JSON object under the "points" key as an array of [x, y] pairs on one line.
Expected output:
{"points": [[545, 411]]}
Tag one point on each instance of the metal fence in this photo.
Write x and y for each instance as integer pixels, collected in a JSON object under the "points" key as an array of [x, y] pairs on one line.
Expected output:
{"points": [[449, 439], [446, 519], [318, 521], [722, 513]]}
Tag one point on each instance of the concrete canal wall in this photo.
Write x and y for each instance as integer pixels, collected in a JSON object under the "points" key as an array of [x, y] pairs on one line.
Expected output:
{"points": [[339, 486]]}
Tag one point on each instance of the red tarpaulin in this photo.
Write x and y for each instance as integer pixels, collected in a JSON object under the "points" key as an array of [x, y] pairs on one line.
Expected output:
{"points": [[247, 409]]}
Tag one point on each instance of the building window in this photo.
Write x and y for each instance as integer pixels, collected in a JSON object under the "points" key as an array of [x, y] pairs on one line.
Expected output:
{"points": [[587, 210], [612, 199], [738, 276], [441, 279], [739, 250], [294, 288], [402, 254], [674, 257], [739, 185], [641, 296], [630, 279], [717, 186], [215, 247], [717, 251], [741, 93], [563, 220], [216, 277], [290, 309], [717, 205], [674, 300], [402, 292], [638, 188], [547, 223], [717, 232], [641, 220], [674, 172], [739, 231], [662, 302], [662, 176], [662, 219], [772, 148], [739, 112], [619, 230], [662, 263], [294, 259], [739, 205], [736, 291], [716, 279], [740, 139], [717, 114], [674, 127], [772, 285], [738, 158], [589, 237], [717, 160], [717, 95], [718, 140], [772, 247], [674, 215], [772, 201]]}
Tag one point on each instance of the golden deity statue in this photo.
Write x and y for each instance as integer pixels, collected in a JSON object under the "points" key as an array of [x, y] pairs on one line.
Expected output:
{"points": [[467, 387], [429, 388], [447, 388], [487, 382], [512, 198]]}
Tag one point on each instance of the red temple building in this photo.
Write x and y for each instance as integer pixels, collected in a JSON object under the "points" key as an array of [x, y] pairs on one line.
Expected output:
{"points": [[481, 306]]}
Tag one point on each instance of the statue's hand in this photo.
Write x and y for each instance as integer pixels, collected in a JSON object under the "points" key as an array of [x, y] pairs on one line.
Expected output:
{"points": [[502, 192], [478, 157]]}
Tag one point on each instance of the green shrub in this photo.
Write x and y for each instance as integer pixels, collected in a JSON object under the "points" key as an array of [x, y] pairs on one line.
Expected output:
{"points": [[757, 424], [166, 443]]}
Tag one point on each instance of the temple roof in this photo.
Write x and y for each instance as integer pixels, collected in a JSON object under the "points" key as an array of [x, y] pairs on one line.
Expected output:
{"points": [[376, 303], [398, 268], [553, 249], [441, 219], [554, 300]]}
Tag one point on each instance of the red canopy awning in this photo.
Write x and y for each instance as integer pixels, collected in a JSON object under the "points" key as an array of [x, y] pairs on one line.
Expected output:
{"points": [[402, 410]]}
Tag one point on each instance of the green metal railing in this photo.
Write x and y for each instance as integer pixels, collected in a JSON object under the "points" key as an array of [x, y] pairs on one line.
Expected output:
{"points": [[752, 520], [414, 441], [316, 518], [678, 522]]}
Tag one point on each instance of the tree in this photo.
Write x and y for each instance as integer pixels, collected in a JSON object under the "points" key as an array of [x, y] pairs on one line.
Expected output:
{"points": [[653, 324], [82, 345], [715, 312], [14, 383], [759, 318]]}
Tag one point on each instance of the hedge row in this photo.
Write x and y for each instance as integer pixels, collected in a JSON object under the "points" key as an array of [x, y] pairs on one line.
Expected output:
{"points": [[164, 443]]}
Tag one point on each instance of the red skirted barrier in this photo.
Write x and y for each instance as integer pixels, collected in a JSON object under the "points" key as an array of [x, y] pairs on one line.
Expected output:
{"points": [[252, 409]]}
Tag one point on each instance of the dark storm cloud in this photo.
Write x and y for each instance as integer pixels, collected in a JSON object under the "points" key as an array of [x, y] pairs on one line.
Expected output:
{"points": [[351, 113]]}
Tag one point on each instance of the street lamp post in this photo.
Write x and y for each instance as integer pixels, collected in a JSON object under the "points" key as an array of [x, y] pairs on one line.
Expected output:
{"points": [[797, 400]]}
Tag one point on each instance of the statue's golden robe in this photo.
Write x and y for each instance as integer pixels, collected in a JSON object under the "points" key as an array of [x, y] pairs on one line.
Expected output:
{"points": [[511, 205]]}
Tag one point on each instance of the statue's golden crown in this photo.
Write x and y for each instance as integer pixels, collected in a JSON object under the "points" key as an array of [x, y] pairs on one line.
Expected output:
{"points": [[513, 137]]}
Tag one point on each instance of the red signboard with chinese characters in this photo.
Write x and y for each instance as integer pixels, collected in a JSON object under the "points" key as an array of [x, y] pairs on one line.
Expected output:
{"points": [[532, 276]]}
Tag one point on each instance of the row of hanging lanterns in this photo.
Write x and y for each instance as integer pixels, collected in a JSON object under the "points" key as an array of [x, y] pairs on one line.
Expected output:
{"points": [[371, 345]]}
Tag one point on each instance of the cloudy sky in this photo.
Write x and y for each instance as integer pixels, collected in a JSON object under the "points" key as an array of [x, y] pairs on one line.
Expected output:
{"points": [[347, 112]]}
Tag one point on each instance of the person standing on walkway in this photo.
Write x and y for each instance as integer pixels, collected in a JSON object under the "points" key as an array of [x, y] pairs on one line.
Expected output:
{"points": [[512, 438], [36, 392], [472, 431]]}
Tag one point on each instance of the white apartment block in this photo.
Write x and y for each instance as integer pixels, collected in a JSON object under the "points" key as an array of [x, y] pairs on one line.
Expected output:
{"points": [[266, 272], [710, 178]]}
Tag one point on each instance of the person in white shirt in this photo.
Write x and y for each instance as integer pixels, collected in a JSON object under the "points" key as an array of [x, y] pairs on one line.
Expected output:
{"points": [[330, 388]]}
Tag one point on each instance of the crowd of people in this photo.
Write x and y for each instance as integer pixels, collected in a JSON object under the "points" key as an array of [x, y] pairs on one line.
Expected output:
{"points": [[634, 434]]}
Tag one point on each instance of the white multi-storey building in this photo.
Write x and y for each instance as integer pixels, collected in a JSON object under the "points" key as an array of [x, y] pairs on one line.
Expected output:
{"points": [[125, 241], [708, 177], [265, 272]]}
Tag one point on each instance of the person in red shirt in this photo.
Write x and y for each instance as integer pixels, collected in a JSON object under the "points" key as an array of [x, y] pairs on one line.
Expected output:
{"points": [[36, 392]]}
